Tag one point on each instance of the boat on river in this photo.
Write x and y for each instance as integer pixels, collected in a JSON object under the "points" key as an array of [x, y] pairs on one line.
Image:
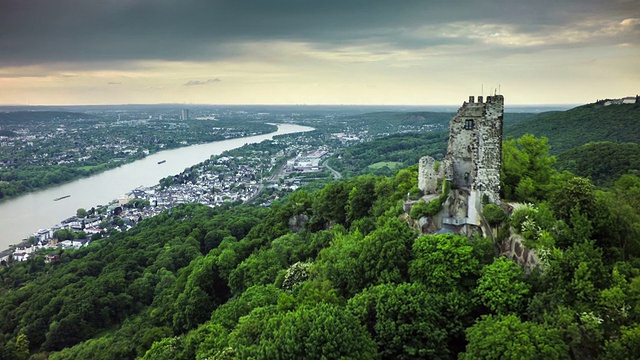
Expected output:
{"points": [[61, 197], [162, 162]]}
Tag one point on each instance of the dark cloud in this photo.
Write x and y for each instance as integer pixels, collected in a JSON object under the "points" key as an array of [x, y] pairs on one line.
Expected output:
{"points": [[46, 31], [200, 82]]}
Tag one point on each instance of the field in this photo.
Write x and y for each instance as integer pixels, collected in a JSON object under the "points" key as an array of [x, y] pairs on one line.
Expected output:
{"points": [[381, 164]]}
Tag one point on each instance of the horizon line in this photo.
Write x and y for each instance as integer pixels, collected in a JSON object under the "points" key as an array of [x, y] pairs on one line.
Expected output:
{"points": [[268, 104]]}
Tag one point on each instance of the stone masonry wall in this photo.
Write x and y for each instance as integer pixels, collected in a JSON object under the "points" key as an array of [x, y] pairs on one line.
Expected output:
{"points": [[489, 158], [427, 175], [475, 146], [463, 145]]}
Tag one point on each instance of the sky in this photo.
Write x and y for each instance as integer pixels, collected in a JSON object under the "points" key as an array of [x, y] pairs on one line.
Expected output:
{"points": [[382, 52]]}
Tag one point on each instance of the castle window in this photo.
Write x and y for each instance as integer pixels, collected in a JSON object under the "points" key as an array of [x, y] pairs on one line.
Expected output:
{"points": [[468, 124]]}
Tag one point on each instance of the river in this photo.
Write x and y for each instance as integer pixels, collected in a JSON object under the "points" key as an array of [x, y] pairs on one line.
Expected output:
{"points": [[26, 214]]}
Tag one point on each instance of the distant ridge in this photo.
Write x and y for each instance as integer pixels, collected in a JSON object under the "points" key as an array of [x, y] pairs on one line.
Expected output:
{"points": [[618, 123], [602, 162]]}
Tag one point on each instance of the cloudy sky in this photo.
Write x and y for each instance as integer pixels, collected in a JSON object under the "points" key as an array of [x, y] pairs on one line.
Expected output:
{"points": [[317, 51]]}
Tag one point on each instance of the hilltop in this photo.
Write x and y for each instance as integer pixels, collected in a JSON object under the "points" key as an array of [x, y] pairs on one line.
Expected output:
{"points": [[339, 272]]}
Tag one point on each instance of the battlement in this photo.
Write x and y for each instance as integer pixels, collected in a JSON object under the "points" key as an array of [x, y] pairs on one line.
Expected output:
{"points": [[490, 99]]}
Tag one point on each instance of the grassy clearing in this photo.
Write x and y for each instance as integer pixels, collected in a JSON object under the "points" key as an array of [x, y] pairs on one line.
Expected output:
{"points": [[381, 164]]}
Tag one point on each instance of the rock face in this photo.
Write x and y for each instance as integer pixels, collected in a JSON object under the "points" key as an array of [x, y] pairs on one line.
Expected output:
{"points": [[297, 222], [514, 249]]}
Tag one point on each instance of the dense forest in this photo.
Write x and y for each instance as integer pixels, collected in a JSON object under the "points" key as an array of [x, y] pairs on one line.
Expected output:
{"points": [[583, 124], [401, 149], [601, 162], [340, 273]]}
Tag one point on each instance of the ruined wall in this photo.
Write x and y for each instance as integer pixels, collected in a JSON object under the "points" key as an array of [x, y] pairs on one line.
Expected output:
{"points": [[472, 162], [427, 175], [463, 144], [475, 146], [489, 160]]}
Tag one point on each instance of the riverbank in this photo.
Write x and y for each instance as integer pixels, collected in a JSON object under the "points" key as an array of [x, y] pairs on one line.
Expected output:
{"points": [[22, 216], [66, 171]]}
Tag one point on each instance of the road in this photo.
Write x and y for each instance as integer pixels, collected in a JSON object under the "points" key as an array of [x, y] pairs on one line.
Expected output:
{"points": [[277, 174], [336, 175]]}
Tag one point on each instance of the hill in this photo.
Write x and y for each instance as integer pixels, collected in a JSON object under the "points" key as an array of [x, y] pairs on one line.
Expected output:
{"points": [[338, 273], [37, 116], [581, 125], [602, 162], [383, 156]]}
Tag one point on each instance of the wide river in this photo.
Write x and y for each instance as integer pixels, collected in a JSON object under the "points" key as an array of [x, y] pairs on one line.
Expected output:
{"points": [[26, 214]]}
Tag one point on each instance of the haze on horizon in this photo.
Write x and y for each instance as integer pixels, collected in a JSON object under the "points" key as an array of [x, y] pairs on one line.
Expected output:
{"points": [[75, 52]]}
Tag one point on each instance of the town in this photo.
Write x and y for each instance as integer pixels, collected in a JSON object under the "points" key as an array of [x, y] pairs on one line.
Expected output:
{"points": [[47, 148], [259, 173]]}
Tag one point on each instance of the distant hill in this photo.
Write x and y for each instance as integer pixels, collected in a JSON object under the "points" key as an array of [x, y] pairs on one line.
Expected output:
{"points": [[20, 116], [602, 162], [582, 125], [384, 156]]}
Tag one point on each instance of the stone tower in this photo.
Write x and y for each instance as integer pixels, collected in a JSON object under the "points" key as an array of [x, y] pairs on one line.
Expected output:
{"points": [[472, 165], [474, 153]]}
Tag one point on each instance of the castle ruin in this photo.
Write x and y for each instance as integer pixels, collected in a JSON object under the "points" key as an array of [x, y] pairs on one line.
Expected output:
{"points": [[471, 165]]}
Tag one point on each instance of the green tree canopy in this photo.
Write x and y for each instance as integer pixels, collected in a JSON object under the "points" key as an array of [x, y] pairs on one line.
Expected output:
{"points": [[527, 168], [444, 262], [506, 337], [500, 287]]}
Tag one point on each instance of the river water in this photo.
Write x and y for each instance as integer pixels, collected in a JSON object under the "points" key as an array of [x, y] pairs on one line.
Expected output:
{"points": [[26, 214]]}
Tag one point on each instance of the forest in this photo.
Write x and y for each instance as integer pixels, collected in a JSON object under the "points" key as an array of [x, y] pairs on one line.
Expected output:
{"points": [[583, 124], [339, 273]]}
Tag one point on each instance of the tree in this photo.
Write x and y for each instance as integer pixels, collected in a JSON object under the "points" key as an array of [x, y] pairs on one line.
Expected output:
{"points": [[627, 346], [526, 168], [572, 278], [200, 296], [576, 194], [165, 349], [22, 346], [493, 214], [444, 262], [81, 213], [329, 206], [339, 263], [386, 253], [500, 287], [406, 321], [228, 314], [617, 220], [323, 331], [506, 337], [361, 198]]}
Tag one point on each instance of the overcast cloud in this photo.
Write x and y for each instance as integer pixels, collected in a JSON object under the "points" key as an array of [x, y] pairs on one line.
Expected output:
{"points": [[136, 36], [42, 31]]}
